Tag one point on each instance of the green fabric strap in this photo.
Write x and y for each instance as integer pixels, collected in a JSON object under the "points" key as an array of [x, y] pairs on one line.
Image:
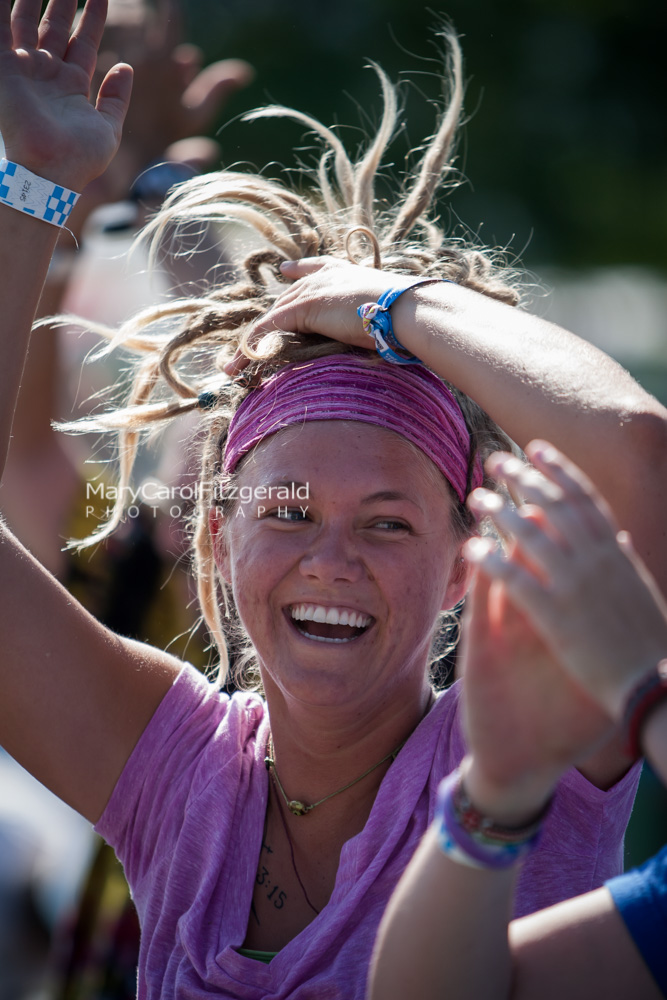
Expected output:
{"points": [[259, 956]]}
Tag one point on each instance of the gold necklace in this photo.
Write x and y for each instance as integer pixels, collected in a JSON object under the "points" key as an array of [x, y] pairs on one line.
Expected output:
{"points": [[298, 808]]}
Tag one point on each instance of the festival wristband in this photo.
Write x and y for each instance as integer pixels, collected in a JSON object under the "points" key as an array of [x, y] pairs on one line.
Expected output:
{"points": [[26, 192], [376, 320], [469, 838]]}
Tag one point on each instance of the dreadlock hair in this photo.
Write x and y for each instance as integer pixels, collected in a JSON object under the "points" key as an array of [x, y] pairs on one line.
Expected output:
{"points": [[180, 347]]}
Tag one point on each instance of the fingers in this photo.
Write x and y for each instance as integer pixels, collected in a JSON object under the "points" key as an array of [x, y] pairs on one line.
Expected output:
{"points": [[208, 91], [524, 483], [236, 365], [569, 506], [487, 557], [569, 477], [525, 590], [25, 24], [262, 326], [561, 533], [55, 27], [295, 269], [546, 539], [113, 98], [475, 614], [85, 42]]}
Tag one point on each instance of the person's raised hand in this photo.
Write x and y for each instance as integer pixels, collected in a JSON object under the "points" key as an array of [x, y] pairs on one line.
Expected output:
{"points": [[46, 66], [573, 573], [526, 720], [174, 97]]}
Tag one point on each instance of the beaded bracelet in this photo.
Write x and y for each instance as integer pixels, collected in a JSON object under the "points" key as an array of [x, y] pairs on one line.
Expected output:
{"points": [[642, 700], [34, 195], [376, 319], [468, 837]]}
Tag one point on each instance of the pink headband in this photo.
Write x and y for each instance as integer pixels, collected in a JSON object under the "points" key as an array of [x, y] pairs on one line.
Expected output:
{"points": [[413, 402]]}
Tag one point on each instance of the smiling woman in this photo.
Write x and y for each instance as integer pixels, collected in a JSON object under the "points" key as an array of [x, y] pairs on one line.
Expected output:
{"points": [[359, 421], [369, 565], [340, 589]]}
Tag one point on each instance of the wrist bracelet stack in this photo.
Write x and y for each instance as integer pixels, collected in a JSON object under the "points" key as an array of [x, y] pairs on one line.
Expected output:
{"points": [[642, 700], [34, 195], [468, 837], [377, 323]]}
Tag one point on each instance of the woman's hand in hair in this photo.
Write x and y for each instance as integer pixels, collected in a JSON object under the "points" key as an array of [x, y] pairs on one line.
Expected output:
{"points": [[46, 67], [324, 298]]}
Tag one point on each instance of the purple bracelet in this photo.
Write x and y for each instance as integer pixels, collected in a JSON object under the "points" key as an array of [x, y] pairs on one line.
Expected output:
{"points": [[477, 849]]}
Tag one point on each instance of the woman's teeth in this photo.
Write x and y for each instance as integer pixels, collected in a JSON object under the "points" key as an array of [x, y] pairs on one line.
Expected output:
{"points": [[330, 624], [332, 616]]}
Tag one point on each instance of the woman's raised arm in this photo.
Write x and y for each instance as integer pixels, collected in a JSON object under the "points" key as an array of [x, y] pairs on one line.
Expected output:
{"points": [[533, 378], [73, 699]]}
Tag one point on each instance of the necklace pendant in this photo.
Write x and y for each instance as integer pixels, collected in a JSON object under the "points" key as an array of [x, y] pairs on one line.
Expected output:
{"points": [[297, 808]]}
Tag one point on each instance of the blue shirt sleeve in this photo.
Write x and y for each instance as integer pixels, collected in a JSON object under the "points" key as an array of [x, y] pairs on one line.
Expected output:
{"points": [[641, 898]]}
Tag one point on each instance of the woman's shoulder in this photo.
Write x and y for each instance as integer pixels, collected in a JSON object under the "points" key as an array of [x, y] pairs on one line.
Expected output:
{"points": [[195, 709], [196, 732]]}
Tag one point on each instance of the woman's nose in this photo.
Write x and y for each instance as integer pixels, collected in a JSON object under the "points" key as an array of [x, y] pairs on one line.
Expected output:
{"points": [[332, 555]]}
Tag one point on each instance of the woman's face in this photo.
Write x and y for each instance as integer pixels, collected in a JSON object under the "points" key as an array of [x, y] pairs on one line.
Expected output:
{"points": [[341, 553]]}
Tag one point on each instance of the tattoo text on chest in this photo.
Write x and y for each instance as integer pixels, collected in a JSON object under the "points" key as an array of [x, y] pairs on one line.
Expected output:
{"points": [[263, 878]]}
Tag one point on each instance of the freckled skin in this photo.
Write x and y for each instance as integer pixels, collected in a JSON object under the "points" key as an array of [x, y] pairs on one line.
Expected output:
{"points": [[376, 538]]}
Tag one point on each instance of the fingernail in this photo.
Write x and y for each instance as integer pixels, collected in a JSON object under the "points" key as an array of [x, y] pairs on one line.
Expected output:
{"points": [[485, 500], [548, 453], [511, 465], [476, 549]]}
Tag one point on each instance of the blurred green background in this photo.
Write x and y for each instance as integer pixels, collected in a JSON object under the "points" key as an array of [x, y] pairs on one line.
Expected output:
{"points": [[565, 148]]}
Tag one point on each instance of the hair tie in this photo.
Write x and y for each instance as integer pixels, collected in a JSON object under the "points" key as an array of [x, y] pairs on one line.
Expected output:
{"points": [[208, 400]]}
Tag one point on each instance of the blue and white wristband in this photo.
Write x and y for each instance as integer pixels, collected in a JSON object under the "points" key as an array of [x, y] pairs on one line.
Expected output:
{"points": [[34, 195], [376, 319]]}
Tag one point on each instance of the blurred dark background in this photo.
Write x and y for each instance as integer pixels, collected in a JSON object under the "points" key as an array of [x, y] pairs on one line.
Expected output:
{"points": [[565, 146]]}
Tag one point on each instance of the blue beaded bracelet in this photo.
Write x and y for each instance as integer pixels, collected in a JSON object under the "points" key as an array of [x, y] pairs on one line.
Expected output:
{"points": [[376, 319]]}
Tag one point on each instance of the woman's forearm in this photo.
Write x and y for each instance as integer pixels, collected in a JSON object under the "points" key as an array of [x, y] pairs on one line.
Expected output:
{"points": [[538, 380], [26, 246], [532, 377], [444, 933], [516, 365]]}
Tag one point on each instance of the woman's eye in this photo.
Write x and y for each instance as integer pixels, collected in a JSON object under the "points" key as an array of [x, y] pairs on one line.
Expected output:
{"points": [[293, 515], [388, 524]]}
